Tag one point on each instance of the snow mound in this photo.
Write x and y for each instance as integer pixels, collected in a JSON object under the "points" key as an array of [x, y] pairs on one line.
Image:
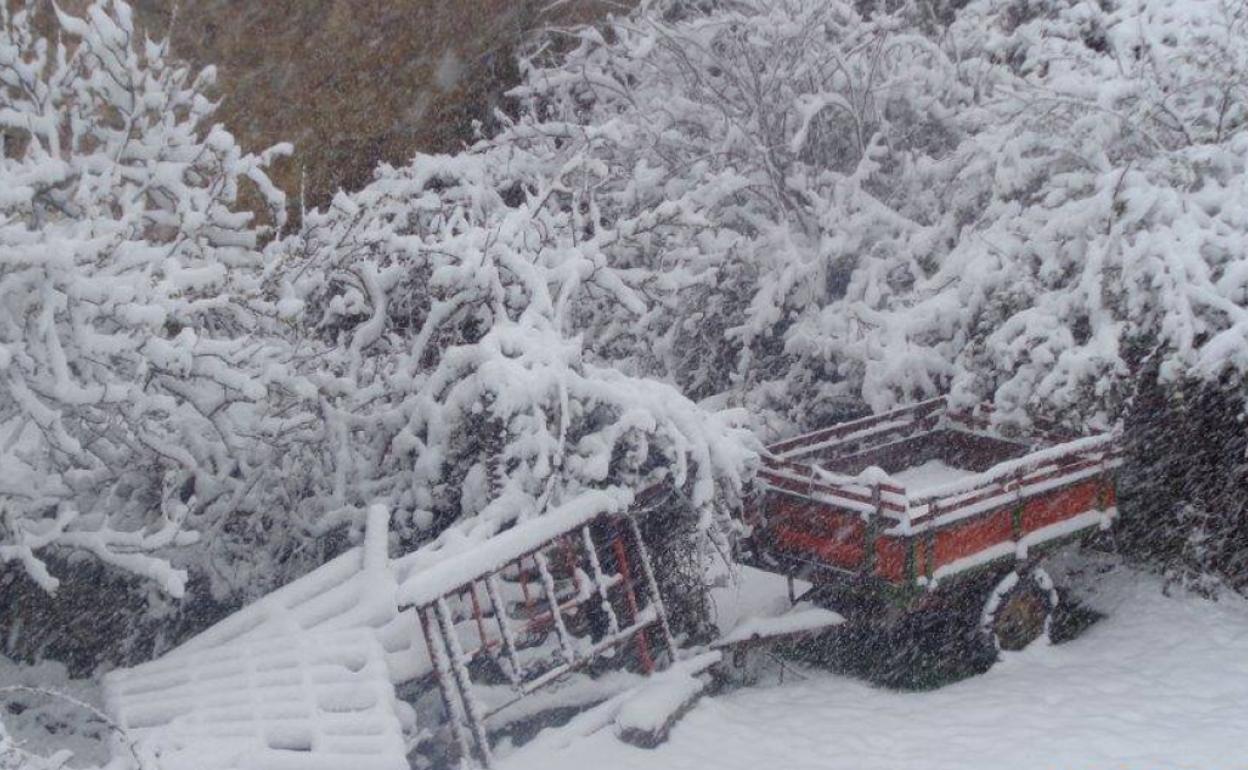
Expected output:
{"points": [[653, 708], [931, 474]]}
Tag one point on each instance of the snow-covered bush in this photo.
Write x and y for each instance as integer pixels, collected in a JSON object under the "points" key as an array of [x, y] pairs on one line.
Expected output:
{"points": [[450, 311], [1018, 210], [133, 361], [775, 153], [1113, 216], [1185, 485]]}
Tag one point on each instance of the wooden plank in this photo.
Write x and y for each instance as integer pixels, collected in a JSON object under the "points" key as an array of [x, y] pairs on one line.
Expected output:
{"points": [[854, 426]]}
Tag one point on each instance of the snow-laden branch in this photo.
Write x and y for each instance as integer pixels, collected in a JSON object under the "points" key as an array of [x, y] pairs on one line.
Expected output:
{"points": [[133, 345]]}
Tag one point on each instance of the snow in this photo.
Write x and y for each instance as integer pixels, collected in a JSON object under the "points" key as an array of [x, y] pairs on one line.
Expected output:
{"points": [[746, 592], [800, 620], [304, 701], [1160, 683], [45, 712], [503, 343], [933, 473], [648, 709], [606, 713]]}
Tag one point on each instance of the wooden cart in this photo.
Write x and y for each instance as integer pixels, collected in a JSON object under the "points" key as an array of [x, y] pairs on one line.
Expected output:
{"points": [[923, 527]]}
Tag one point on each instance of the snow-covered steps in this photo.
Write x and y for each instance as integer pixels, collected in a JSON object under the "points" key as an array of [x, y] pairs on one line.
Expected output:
{"points": [[297, 701]]}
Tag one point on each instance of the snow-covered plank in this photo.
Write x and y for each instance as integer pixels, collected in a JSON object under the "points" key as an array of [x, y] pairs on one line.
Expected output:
{"points": [[355, 590], [300, 701], [858, 428], [804, 620], [646, 718]]}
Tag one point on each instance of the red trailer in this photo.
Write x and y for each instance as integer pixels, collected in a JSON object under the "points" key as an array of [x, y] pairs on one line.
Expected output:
{"points": [[927, 512]]}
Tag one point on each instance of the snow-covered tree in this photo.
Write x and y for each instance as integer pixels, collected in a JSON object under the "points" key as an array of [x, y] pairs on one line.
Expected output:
{"points": [[786, 157], [1038, 203], [132, 366], [1112, 225], [450, 303], [1020, 208]]}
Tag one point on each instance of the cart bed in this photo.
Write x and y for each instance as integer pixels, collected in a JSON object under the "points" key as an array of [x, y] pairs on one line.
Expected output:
{"points": [[923, 493]]}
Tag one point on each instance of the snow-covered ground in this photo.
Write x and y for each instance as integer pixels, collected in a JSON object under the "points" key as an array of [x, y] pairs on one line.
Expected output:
{"points": [[1161, 682], [44, 725]]}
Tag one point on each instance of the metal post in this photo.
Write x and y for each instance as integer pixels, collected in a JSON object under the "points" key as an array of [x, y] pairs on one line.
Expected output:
{"points": [[460, 674], [476, 613], [643, 647], [600, 580], [440, 665], [653, 586], [552, 596], [500, 616]]}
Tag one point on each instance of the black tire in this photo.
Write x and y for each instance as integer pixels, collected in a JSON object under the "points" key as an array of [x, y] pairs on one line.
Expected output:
{"points": [[1019, 610]]}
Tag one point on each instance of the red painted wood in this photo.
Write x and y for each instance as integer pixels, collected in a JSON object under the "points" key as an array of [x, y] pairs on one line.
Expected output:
{"points": [[890, 558], [812, 530], [972, 535], [1110, 492], [820, 519], [1059, 505]]}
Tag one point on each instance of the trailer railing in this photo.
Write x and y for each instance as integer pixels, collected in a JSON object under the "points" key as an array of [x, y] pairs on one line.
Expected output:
{"points": [[546, 576], [793, 467]]}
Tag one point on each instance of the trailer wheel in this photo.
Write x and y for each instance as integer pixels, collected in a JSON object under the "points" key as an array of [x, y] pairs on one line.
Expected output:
{"points": [[1020, 609]]}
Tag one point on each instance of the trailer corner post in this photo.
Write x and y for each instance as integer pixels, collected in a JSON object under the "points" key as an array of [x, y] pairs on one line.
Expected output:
{"points": [[872, 530]]}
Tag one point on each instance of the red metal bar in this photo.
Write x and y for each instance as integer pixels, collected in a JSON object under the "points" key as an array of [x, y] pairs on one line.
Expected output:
{"points": [[643, 647], [524, 584], [476, 613]]}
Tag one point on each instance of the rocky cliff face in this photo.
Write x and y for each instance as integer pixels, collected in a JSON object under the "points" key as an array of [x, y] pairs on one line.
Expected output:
{"points": [[356, 82]]}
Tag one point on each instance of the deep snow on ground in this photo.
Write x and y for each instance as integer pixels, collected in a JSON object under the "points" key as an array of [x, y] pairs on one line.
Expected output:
{"points": [[1161, 682]]}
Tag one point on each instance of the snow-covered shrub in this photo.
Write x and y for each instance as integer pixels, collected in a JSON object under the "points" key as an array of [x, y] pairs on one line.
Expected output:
{"points": [[134, 368], [1018, 210], [775, 154], [1114, 188], [450, 314]]}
